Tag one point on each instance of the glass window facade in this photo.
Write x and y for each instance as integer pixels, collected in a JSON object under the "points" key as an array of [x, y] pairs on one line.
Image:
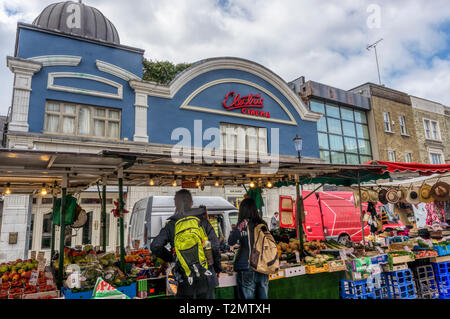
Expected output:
{"points": [[343, 134]]}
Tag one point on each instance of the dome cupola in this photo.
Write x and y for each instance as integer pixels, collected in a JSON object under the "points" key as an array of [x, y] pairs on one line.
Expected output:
{"points": [[79, 19]]}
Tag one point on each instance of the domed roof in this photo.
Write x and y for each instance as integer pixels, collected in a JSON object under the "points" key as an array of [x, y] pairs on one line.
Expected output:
{"points": [[62, 16]]}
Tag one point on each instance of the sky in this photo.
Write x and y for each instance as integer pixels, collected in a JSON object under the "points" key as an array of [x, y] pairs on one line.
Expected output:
{"points": [[325, 40]]}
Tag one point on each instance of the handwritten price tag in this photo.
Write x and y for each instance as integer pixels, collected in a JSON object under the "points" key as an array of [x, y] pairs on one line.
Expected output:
{"points": [[34, 277], [407, 249], [41, 266], [297, 256], [343, 255], [380, 250], [33, 254]]}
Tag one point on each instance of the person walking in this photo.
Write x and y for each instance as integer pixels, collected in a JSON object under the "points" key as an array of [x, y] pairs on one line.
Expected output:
{"points": [[275, 221], [250, 284], [200, 287]]}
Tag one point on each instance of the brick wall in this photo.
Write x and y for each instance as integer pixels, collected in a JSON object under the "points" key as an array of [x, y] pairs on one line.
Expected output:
{"points": [[395, 141], [423, 142]]}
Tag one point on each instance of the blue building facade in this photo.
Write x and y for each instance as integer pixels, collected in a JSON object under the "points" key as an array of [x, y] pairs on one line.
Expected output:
{"points": [[82, 85]]}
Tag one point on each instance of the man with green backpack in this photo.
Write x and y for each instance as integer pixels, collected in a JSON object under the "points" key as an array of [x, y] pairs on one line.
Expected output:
{"points": [[194, 249]]}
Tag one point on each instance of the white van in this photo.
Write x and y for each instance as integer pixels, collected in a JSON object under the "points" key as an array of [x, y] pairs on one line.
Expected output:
{"points": [[149, 216]]}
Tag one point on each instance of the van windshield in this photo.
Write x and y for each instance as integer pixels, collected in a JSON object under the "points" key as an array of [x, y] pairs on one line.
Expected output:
{"points": [[233, 219]]}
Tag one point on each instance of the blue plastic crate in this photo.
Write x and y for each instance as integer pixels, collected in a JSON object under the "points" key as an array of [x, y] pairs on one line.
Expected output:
{"points": [[380, 259], [442, 269], [130, 290], [400, 284], [68, 294], [442, 251], [355, 289]]}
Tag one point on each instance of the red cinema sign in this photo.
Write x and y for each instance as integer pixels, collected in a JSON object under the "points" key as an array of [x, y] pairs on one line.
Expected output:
{"points": [[246, 104]]}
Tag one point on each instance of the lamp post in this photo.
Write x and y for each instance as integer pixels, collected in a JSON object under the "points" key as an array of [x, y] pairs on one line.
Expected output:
{"points": [[298, 143]]}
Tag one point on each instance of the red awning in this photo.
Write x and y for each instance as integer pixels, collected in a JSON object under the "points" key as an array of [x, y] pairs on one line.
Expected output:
{"points": [[422, 169]]}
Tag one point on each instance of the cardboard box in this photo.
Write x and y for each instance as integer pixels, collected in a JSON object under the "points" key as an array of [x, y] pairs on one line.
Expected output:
{"points": [[402, 259], [359, 265], [387, 268], [356, 276], [440, 259], [337, 265]]}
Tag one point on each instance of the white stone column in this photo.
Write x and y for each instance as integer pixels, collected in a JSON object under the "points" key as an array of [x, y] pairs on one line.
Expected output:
{"points": [[23, 73], [14, 220], [140, 124]]}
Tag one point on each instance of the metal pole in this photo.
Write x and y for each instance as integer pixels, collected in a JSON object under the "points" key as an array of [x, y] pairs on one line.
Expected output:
{"points": [[62, 232], [299, 215], [121, 206], [378, 66], [52, 251], [361, 209], [104, 215]]}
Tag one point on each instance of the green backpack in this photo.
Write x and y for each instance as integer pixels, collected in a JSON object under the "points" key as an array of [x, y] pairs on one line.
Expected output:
{"points": [[190, 248]]}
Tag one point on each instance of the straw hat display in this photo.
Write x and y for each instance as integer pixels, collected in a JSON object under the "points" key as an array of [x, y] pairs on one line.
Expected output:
{"points": [[393, 196], [365, 197], [382, 197], [441, 191], [425, 195], [404, 193], [413, 195], [373, 196]]}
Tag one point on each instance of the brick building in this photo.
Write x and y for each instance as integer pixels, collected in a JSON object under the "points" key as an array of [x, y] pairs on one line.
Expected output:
{"points": [[431, 130], [391, 124]]}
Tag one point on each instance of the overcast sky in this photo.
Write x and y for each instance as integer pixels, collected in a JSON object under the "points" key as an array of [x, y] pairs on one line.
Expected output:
{"points": [[323, 40]]}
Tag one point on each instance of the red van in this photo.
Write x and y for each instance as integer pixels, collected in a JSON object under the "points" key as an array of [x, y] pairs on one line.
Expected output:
{"points": [[332, 215]]}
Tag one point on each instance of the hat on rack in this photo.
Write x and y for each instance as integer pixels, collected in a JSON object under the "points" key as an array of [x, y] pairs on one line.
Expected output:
{"points": [[365, 197], [373, 196], [413, 195], [356, 199], [393, 196], [441, 191], [404, 193], [382, 197], [425, 195]]}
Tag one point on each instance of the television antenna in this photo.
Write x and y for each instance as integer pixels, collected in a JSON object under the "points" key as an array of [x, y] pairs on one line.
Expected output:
{"points": [[374, 46]]}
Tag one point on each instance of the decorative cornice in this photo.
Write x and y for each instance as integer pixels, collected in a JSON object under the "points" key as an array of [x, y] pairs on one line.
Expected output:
{"points": [[52, 86], [57, 60], [116, 71], [169, 91], [186, 103], [18, 65]]}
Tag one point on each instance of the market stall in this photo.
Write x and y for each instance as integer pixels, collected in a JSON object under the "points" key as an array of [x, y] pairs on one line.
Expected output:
{"points": [[332, 269]]}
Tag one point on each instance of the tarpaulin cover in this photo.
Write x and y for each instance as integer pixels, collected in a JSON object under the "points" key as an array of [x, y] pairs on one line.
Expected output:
{"points": [[422, 169], [346, 178]]}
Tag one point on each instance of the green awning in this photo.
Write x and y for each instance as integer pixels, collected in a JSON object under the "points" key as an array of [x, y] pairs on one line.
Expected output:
{"points": [[345, 178]]}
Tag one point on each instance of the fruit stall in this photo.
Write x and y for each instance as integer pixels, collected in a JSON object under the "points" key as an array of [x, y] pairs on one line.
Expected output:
{"points": [[319, 265]]}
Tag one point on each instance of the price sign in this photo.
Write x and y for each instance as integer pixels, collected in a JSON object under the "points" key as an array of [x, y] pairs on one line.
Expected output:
{"points": [[40, 255], [297, 256], [33, 254], [407, 249], [34, 277], [49, 282], [136, 244], [73, 281], [97, 248], [41, 266], [380, 250]]}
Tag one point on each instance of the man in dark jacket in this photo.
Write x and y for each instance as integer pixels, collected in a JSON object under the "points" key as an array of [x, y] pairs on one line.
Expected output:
{"points": [[201, 290]]}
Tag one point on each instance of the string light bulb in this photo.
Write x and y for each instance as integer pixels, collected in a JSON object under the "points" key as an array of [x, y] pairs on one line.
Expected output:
{"points": [[197, 183], [252, 184], [152, 181], [174, 183], [8, 189], [217, 184], [269, 184], [44, 191]]}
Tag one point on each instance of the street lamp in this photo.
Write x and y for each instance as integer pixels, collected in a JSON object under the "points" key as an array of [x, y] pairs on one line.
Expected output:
{"points": [[298, 143]]}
